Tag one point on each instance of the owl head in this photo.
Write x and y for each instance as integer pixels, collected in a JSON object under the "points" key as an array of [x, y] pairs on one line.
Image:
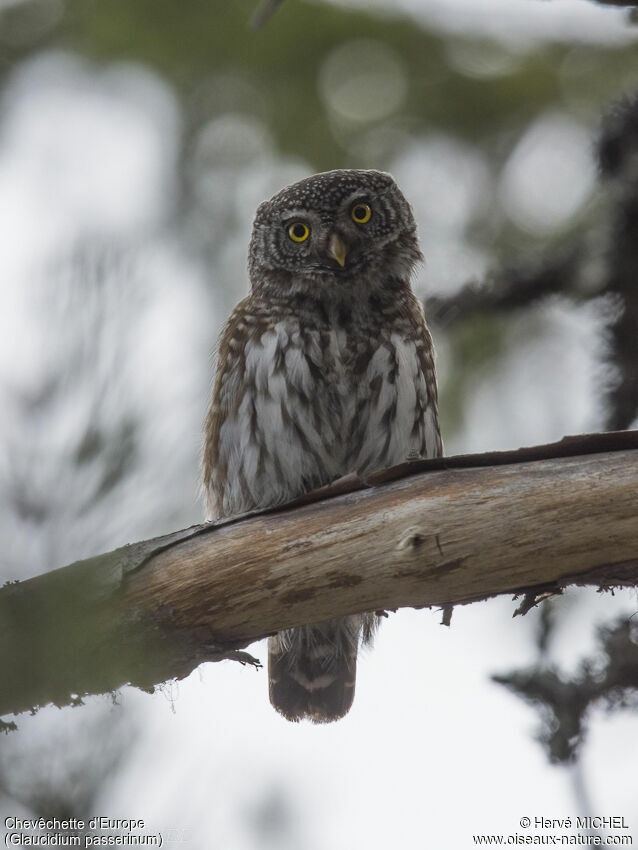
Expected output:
{"points": [[331, 230]]}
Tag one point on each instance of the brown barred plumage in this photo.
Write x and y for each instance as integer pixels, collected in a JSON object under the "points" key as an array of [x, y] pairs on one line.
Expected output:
{"points": [[326, 368]]}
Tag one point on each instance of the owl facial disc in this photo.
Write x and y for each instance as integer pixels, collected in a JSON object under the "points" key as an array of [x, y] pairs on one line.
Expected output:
{"points": [[338, 231]]}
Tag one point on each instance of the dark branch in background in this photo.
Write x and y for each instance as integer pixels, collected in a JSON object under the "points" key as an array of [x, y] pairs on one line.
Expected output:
{"points": [[630, 4], [610, 679], [510, 289], [618, 156], [601, 263]]}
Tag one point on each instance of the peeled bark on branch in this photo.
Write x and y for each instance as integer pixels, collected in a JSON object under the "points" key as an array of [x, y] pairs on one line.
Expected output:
{"points": [[441, 532]]}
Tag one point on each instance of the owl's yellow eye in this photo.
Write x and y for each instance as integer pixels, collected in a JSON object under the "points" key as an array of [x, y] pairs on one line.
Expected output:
{"points": [[299, 231], [361, 213]]}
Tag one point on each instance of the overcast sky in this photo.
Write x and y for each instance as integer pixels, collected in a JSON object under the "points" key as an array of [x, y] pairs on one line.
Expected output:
{"points": [[432, 751]]}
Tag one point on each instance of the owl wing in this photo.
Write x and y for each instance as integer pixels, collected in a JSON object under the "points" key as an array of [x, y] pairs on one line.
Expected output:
{"points": [[426, 417], [226, 399], [265, 441], [397, 413]]}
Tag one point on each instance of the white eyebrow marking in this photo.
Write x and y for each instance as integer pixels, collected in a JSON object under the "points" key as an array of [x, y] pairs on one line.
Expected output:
{"points": [[291, 213]]}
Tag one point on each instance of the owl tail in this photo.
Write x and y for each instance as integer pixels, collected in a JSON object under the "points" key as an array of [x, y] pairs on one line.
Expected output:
{"points": [[312, 670]]}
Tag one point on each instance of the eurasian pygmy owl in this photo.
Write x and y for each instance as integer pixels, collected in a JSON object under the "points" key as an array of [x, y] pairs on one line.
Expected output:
{"points": [[326, 368]]}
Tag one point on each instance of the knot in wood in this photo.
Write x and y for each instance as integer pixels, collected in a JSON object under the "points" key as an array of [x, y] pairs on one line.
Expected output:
{"points": [[412, 538]]}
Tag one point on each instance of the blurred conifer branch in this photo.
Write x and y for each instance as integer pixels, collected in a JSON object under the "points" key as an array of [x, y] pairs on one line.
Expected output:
{"points": [[611, 679], [600, 263]]}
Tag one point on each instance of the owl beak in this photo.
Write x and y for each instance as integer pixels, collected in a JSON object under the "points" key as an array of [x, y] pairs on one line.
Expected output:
{"points": [[337, 249]]}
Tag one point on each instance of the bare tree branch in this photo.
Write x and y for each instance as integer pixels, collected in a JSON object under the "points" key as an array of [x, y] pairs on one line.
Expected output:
{"points": [[441, 532], [512, 288]]}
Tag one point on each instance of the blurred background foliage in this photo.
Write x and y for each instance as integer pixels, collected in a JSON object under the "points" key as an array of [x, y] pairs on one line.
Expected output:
{"points": [[136, 139], [497, 136]]}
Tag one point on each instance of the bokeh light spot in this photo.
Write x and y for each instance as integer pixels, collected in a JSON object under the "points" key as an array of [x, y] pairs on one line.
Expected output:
{"points": [[363, 81]]}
